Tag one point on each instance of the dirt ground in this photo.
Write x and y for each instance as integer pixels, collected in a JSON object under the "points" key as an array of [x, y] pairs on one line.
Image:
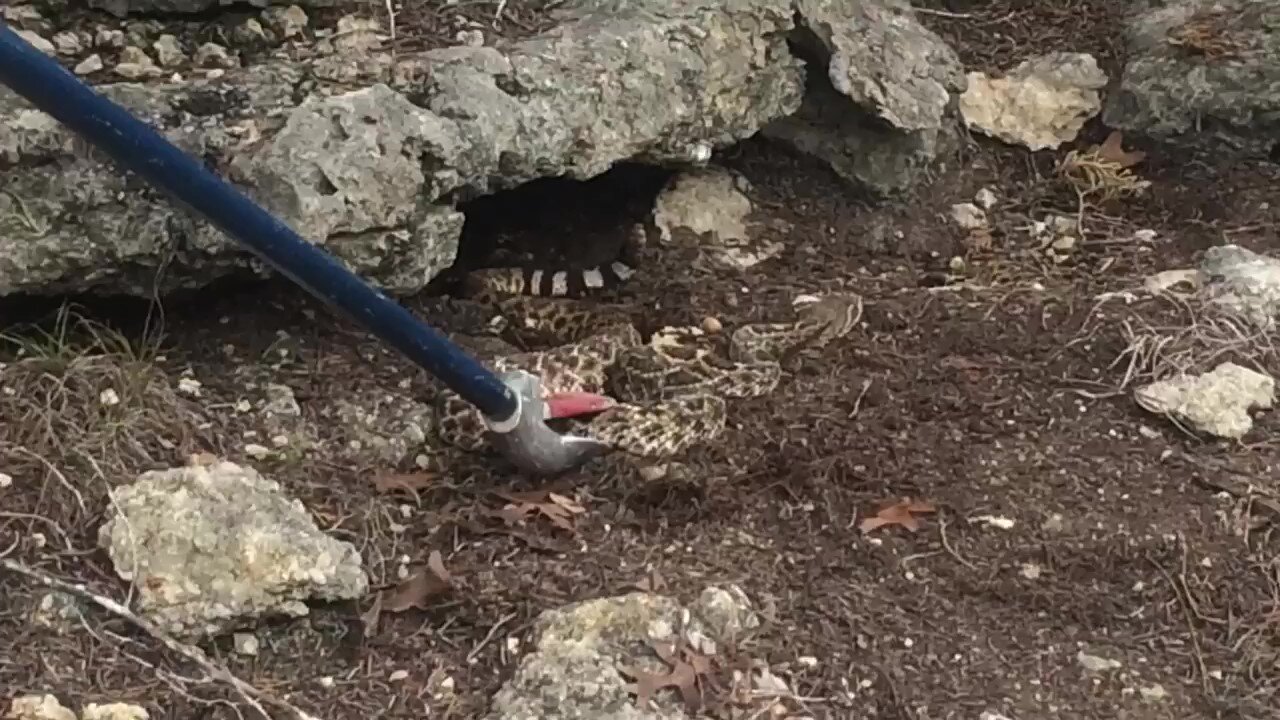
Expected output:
{"points": [[1069, 520]]}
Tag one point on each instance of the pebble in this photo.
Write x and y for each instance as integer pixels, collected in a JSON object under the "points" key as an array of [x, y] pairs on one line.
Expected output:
{"points": [[986, 198], [250, 33], [968, 216], [286, 22], [36, 41], [470, 38], [711, 325], [245, 643], [68, 43], [213, 55], [89, 65], [168, 51], [109, 38]]}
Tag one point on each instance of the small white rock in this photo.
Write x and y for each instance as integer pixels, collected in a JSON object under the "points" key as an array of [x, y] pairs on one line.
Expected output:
{"points": [[1096, 663], [470, 38], [168, 51], [256, 451], [6, 480], [325, 682], [109, 397], [189, 386], [110, 39], [213, 55], [1153, 693], [287, 22], [986, 198], [1000, 522], [245, 643], [37, 42], [398, 675], [68, 43], [969, 216]]}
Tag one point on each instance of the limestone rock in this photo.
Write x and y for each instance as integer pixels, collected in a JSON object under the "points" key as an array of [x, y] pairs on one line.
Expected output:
{"points": [[1243, 283], [709, 208], [38, 707], [572, 671], [373, 176], [209, 548], [1217, 402], [1204, 74], [880, 92], [1042, 103]]}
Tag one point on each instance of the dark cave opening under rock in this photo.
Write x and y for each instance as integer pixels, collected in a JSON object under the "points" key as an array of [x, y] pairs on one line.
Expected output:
{"points": [[560, 220]]}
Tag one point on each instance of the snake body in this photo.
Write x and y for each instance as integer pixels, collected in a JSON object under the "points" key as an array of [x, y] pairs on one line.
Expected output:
{"points": [[672, 388]]}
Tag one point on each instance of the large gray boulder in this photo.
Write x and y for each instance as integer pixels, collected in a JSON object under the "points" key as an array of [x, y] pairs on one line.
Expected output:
{"points": [[374, 176], [369, 154], [880, 104], [1203, 73]]}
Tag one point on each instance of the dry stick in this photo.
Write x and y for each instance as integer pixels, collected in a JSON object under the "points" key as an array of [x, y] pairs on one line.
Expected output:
{"points": [[475, 651], [1191, 628], [251, 695], [942, 533]]}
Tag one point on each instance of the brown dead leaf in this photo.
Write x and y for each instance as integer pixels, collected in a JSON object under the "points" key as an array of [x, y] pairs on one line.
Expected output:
{"points": [[688, 675], [1112, 150], [423, 584], [900, 513], [409, 482], [557, 509]]}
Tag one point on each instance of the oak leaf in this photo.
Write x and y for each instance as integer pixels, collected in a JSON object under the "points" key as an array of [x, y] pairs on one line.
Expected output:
{"points": [[688, 675], [901, 513], [1112, 150], [557, 509]]}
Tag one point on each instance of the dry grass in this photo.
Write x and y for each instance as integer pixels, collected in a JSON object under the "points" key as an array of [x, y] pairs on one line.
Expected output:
{"points": [[1166, 334], [1098, 179], [81, 407]]}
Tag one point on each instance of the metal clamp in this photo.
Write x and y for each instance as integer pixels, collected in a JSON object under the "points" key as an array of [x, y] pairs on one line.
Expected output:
{"points": [[526, 440]]}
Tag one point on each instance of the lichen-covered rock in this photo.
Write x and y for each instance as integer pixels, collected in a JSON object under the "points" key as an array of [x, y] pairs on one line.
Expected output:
{"points": [[211, 547], [572, 672], [1203, 73], [881, 112], [373, 174], [1243, 283]]}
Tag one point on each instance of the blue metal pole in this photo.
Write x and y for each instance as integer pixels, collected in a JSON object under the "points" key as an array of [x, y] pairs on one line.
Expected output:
{"points": [[137, 147]]}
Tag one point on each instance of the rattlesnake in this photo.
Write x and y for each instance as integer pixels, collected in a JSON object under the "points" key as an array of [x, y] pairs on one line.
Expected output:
{"points": [[671, 389]]}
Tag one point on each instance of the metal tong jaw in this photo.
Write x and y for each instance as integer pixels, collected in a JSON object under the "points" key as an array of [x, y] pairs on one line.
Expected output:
{"points": [[527, 441]]}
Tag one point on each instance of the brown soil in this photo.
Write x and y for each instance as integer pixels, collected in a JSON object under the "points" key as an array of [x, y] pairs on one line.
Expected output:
{"points": [[994, 396]]}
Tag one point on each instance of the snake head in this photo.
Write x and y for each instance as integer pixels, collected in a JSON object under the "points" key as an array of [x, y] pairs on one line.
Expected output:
{"points": [[576, 404]]}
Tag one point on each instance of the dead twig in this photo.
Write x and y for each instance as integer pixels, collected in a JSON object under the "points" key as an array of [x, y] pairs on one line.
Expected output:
{"points": [[253, 696]]}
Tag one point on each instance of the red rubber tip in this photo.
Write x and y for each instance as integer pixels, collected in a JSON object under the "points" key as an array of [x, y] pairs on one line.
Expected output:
{"points": [[575, 404]]}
